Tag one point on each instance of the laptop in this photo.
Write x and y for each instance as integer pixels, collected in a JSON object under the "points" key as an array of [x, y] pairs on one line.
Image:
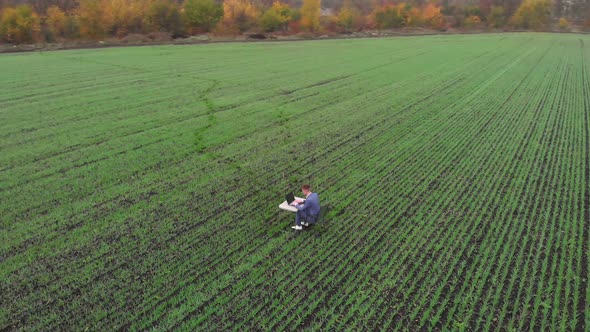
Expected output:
{"points": [[290, 198]]}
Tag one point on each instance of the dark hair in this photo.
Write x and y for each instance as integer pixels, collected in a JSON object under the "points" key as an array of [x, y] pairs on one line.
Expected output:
{"points": [[305, 187]]}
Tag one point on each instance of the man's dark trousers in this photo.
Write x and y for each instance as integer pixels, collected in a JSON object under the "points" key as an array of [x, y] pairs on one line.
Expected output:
{"points": [[302, 216]]}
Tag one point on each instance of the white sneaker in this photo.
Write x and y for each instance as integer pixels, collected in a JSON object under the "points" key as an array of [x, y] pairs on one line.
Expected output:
{"points": [[297, 228], [305, 224]]}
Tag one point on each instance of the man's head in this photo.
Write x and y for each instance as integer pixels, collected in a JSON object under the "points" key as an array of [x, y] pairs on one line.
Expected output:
{"points": [[306, 189]]}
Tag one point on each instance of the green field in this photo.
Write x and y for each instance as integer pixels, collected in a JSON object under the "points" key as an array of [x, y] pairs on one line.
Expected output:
{"points": [[139, 187]]}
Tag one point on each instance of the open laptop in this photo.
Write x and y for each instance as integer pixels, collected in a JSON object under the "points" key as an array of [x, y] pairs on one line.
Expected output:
{"points": [[290, 198]]}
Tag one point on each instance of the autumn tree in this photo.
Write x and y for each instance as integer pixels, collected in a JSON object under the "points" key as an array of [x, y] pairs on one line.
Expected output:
{"points": [[124, 16], [239, 15], [349, 18], [413, 16], [365, 7], [432, 16], [532, 14], [485, 7], [92, 18], [41, 6], [164, 16], [389, 16], [19, 25], [55, 20], [72, 27], [472, 21], [98, 18], [497, 18], [277, 17], [564, 24], [310, 15], [465, 15], [202, 14]]}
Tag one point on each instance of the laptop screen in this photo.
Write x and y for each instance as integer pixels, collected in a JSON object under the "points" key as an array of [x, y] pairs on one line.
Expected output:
{"points": [[290, 198]]}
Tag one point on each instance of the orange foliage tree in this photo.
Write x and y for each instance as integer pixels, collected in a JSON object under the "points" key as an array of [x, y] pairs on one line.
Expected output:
{"points": [[93, 20], [124, 16], [19, 25], [310, 15], [239, 15], [98, 18], [56, 19], [432, 16], [472, 21]]}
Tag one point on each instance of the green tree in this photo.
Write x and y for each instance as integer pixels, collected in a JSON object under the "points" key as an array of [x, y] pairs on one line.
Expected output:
{"points": [[19, 25], [277, 17], [203, 14]]}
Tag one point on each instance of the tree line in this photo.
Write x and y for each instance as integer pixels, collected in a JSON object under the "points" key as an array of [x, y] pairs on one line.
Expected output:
{"points": [[58, 20]]}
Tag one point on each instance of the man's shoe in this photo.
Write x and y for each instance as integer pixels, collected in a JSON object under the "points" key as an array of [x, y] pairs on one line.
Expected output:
{"points": [[305, 224], [297, 228]]}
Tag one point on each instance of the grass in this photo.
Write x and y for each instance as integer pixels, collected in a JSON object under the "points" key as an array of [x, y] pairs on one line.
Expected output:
{"points": [[139, 186]]}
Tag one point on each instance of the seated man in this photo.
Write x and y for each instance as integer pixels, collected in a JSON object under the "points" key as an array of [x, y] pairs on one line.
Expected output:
{"points": [[309, 210]]}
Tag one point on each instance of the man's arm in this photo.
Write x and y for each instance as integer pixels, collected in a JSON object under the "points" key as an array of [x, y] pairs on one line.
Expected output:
{"points": [[302, 207], [297, 201], [313, 203], [308, 202]]}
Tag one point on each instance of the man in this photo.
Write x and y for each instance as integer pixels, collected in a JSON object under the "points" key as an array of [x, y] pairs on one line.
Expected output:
{"points": [[309, 210]]}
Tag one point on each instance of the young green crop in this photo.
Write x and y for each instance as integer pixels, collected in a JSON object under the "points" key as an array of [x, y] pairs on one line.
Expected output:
{"points": [[139, 186]]}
